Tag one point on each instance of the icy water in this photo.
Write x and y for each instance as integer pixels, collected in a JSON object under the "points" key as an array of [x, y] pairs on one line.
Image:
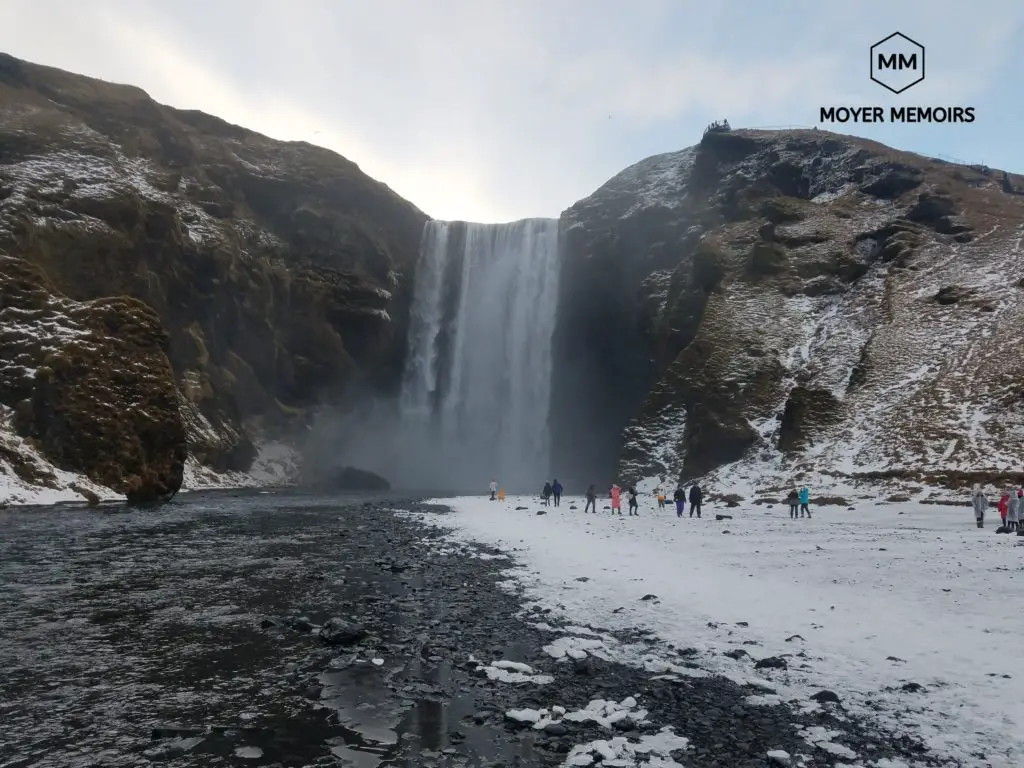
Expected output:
{"points": [[180, 636]]}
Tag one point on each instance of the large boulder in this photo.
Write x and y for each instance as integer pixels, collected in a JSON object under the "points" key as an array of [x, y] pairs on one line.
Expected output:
{"points": [[90, 385]]}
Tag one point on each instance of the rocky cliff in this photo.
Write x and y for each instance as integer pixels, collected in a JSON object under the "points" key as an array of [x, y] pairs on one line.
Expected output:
{"points": [[785, 303], [247, 279]]}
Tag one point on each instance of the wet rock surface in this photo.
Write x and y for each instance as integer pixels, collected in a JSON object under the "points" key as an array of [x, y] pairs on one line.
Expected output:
{"points": [[248, 628]]}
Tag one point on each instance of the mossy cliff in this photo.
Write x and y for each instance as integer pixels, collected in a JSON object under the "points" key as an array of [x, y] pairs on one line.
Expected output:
{"points": [[274, 276]]}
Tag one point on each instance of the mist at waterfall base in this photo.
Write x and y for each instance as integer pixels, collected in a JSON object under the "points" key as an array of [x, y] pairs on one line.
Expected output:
{"points": [[482, 361], [476, 386]]}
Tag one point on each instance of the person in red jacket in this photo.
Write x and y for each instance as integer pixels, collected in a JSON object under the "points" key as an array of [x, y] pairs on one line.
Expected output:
{"points": [[616, 499], [1004, 507]]}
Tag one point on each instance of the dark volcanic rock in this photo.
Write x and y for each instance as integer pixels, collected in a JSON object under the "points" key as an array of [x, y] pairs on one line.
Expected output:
{"points": [[280, 272], [825, 697], [772, 662], [90, 385], [340, 632], [351, 479]]}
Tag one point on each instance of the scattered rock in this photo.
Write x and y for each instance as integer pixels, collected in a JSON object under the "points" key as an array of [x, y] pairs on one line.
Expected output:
{"points": [[649, 597], [951, 294], [823, 697], [779, 757], [299, 623], [771, 662], [624, 724], [340, 632], [723, 517]]}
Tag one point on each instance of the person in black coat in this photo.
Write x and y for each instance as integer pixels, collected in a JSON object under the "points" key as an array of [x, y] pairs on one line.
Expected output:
{"points": [[794, 502], [696, 497], [679, 497]]}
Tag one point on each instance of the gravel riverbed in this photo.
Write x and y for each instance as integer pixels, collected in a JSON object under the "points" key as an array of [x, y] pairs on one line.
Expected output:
{"points": [[284, 629]]}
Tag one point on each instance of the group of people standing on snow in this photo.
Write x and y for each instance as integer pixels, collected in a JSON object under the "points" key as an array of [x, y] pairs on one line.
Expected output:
{"points": [[679, 497], [799, 500], [1010, 508], [615, 494], [552, 490]]}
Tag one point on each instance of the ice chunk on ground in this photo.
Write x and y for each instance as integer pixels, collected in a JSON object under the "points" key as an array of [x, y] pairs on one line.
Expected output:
{"points": [[513, 672], [524, 715], [652, 750]]}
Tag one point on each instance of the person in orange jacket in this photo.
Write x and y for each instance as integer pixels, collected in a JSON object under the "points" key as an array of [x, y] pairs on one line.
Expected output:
{"points": [[616, 499]]}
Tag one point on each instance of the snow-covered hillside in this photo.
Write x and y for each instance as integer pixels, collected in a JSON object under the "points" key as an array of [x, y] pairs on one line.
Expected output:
{"points": [[818, 306]]}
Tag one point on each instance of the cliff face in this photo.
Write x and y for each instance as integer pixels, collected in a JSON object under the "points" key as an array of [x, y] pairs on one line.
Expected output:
{"points": [[790, 302], [279, 272]]}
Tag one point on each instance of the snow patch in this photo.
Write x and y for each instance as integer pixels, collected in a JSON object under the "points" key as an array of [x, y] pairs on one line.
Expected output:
{"points": [[276, 464], [513, 672], [873, 598]]}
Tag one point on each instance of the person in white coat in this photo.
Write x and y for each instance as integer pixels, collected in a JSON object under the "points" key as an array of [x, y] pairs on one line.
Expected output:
{"points": [[494, 489], [980, 504], [1013, 512]]}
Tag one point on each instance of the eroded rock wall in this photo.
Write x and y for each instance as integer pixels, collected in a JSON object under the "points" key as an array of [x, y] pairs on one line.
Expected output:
{"points": [[796, 299], [280, 273]]}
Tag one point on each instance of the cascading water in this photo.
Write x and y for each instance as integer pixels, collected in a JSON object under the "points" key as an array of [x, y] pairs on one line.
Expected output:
{"points": [[477, 384]]}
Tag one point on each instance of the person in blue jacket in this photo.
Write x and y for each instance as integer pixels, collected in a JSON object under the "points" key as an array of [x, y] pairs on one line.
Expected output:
{"points": [[556, 491], [805, 499]]}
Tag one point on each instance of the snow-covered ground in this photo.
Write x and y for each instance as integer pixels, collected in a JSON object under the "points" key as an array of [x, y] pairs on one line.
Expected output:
{"points": [[60, 486], [907, 611], [275, 464]]}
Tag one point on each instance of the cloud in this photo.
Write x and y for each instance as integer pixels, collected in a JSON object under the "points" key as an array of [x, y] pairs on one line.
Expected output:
{"points": [[492, 111]]}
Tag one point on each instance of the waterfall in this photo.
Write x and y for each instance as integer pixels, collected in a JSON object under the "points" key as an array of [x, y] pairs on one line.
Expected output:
{"points": [[477, 383]]}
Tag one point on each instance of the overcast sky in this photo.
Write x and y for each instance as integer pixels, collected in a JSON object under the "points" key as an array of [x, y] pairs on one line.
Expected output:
{"points": [[491, 111]]}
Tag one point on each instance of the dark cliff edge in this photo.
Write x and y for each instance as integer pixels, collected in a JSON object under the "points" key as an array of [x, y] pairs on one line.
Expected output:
{"points": [[275, 277], [790, 301]]}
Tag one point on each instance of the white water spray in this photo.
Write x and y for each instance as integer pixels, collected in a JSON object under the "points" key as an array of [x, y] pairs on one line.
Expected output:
{"points": [[477, 386]]}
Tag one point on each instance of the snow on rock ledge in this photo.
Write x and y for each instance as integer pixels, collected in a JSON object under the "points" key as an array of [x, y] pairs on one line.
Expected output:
{"points": [[276, 464]]}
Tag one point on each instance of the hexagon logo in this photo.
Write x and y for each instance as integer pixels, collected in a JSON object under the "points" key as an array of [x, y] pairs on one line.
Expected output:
{"points": [[897, 62]]}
